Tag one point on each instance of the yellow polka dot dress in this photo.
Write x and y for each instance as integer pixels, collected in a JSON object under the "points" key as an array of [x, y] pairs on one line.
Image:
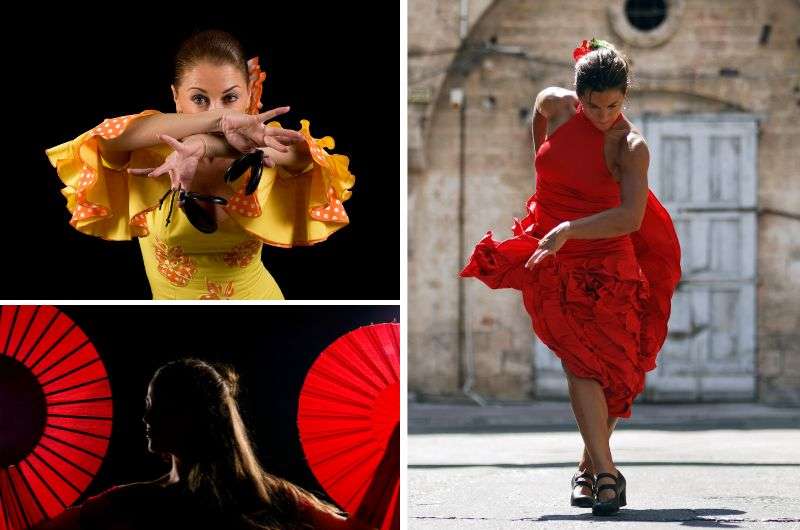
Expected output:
{"points": [[181, 262]]}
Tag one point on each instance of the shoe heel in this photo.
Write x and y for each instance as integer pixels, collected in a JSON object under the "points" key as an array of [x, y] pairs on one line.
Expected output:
{"points": [[622, 501]]}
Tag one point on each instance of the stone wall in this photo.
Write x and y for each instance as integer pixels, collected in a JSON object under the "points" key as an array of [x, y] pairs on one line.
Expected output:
{"points": [[515, 48]]}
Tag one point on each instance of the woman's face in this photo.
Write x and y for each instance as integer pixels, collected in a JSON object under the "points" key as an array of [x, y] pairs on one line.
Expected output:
{"points": [[208, 86], [603, 108], [166, 427]]}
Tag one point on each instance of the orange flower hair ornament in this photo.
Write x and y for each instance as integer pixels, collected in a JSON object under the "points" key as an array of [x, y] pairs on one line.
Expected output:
{"points": [[256, 80], [588, 46]]}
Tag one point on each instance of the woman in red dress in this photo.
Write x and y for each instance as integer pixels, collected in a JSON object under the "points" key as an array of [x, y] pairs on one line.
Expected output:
{"points": [[216, 481], [596, 258]]}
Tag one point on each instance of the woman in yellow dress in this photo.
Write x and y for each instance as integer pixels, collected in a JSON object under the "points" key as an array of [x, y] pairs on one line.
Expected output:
{"points": [[168, 180]]}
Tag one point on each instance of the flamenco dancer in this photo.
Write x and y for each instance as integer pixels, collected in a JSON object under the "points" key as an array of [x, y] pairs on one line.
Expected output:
{"points": [[168, 180], [596, 258], [192, 419]]}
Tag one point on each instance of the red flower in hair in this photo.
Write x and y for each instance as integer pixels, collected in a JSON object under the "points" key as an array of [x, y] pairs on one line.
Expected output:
{"points": [[256, 80], [581, 50], [589, 46]]}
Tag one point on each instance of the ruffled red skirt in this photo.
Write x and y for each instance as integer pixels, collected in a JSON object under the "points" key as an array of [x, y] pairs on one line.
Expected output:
{"points": [[601, 306]]}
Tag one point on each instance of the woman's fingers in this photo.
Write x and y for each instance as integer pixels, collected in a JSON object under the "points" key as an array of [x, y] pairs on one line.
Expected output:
{"points": [[543, 254], [274, 144], [149, 171], [266, 161], [172, 142], [140, 171], [286, 140], [264, 116], [161, 170], [538, 255], [286, 133]]}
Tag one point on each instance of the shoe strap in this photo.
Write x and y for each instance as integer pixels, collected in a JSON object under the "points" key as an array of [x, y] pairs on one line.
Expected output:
{"points": [[602, 487], [602, 475]]}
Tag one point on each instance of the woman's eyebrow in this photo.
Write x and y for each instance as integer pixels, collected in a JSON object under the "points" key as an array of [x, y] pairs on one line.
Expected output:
{"points": [[202, 90]]}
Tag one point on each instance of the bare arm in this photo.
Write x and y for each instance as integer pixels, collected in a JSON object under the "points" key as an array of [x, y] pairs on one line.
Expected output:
{"points": [[550, 103], [145, 131], [624, 219], [214, 145], [627, 217], [538, 130], [294, 158]]}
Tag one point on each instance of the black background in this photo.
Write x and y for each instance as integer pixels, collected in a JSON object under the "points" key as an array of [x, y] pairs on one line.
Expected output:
{"points": [[333, 63], [272, 349]]}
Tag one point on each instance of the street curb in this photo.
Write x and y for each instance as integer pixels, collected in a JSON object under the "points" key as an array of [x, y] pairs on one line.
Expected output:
{"points": [[452, 417]]}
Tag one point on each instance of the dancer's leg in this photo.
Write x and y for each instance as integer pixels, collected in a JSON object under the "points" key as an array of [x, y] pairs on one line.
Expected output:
{"points": [[591, 412], [586, 460]]}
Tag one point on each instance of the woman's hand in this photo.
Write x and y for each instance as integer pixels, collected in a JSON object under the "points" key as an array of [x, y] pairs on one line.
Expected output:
{"points": [[550, 244], [295, 159], [246, 132], [181, 164]]}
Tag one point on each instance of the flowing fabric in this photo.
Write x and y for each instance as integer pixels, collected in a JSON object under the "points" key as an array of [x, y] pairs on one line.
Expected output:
{"points": [[182, 263], [601, 305]]}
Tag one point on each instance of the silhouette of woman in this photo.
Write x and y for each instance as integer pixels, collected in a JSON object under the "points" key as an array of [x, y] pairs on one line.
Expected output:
{"points": [[216, 481]]}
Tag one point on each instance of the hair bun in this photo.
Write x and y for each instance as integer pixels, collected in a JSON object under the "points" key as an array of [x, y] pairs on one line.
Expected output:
{"points": [[587, 46]]}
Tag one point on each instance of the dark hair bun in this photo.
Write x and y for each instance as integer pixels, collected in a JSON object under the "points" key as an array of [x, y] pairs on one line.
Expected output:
{"points": [[603, 68]]}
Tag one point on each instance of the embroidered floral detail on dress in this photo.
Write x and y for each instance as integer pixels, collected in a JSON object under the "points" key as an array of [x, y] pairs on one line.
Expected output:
{"points": [[242, 254], [218, 291], [173, 265]]}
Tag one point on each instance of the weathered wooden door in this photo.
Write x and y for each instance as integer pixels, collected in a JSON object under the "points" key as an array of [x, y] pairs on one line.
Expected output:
{"points": [[703, 169]]}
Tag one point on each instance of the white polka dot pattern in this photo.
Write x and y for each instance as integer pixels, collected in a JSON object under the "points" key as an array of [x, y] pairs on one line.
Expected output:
{"points": [[246, 205], [112, 127], [333, 212]]}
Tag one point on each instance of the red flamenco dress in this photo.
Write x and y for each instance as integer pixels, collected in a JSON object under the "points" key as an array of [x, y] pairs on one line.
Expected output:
{"points": [[601, 305]]}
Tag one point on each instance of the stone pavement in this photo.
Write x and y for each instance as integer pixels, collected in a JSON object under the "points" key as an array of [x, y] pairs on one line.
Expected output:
{"points": [[707, 465]]}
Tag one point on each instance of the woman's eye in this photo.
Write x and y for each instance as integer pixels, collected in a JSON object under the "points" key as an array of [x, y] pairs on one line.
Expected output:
{"points": [[230, 98], [199, 100]]}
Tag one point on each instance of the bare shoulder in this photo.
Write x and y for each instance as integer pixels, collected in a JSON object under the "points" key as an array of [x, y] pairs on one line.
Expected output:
{"points": [[127, 492], [631, 142], [554, 102]]}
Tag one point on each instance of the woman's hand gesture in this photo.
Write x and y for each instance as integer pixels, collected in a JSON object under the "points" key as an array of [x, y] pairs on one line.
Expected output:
{"points": [[550, 244], [181, 164], [246, 132]]}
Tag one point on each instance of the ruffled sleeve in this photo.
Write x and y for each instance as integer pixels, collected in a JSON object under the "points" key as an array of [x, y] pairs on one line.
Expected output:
{"points": [[103, 198], [288, 210]]}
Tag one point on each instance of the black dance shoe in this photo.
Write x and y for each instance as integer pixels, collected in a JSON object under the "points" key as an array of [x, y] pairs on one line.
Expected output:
{"points": [[611, 506], [584, 479]]}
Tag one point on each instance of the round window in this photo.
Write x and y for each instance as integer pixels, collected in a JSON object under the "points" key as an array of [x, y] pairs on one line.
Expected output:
{"points": [[645, 23], [646, 15]]}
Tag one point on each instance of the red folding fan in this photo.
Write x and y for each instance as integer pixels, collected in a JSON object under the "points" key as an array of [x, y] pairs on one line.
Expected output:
{"points": [[55, 414], [349, 416]]}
